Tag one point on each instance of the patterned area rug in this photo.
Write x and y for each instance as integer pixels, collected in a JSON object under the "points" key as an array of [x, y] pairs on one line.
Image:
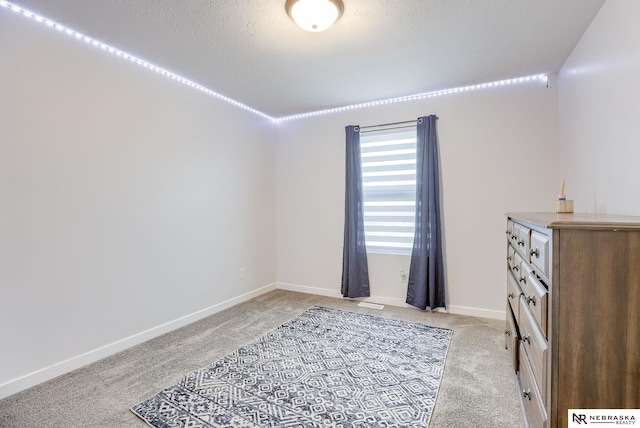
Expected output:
{"points": [[324, 368]]}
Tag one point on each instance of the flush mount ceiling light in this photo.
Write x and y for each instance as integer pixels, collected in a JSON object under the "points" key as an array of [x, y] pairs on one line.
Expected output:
{"points": [[314, 15]]}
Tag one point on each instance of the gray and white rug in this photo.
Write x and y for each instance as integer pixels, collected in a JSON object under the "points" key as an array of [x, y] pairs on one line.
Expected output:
{"points": [[324, 368]]}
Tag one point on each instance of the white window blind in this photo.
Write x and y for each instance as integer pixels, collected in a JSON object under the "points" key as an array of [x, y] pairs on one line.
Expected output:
{"points": [[389, 188]]}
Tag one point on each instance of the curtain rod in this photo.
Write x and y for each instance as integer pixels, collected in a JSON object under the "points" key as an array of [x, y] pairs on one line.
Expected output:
{"points": [[388, 128], [389, 124]]}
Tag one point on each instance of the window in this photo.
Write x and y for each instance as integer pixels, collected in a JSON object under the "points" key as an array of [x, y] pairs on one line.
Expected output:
{"points": [[389, 189]]}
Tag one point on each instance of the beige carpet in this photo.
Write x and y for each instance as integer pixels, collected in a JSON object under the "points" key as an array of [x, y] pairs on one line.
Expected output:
{"points": [[478, 388]]}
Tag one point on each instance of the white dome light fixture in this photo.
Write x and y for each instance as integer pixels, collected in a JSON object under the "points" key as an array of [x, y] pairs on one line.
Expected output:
{"points": [[314, 15]]}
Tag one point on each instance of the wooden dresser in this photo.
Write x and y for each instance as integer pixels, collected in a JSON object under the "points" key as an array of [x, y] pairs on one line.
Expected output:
{"points": [[573, 313]]}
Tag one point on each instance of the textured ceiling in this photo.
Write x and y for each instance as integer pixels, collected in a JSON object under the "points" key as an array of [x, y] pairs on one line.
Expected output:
{"points": [[250, 50]]}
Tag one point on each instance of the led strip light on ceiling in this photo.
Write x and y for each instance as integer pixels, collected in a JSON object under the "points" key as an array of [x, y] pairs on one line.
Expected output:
{"points": [[132, 58], [117, 52], [542, 77]]}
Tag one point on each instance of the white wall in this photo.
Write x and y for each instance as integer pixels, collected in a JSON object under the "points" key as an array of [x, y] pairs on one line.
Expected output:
{"points": [[599, 103], [498, 154], [127, 201]]}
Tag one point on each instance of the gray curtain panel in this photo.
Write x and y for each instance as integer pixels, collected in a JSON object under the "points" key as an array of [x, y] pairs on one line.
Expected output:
{"points": [[355, 270], [426, 272]]}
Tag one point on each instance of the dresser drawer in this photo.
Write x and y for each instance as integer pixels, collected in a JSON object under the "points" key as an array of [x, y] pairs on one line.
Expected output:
{"points": [[513, 238], [509, 230], [511, 340], [511, 256], [522, 241], [535, 345], [535, 295], [517, 266], [513, 295], [539, 253], [533, 404]]}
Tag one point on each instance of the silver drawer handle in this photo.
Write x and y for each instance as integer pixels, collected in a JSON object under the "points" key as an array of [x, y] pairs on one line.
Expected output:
{"points": [[521, 242], [531, 299], [526, 394], [507, 332], [515, 268], [511, 295], [535, 252], [523, 279], [527, 338]]}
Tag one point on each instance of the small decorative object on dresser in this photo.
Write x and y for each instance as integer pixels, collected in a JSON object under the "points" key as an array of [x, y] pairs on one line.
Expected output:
{"points": [[564, 205], [573, 313]]}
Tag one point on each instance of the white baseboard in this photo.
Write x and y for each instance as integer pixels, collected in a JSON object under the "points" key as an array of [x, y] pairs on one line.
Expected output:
{"points": [[477, 312], [16, 385], [336, 294], [309, 290], [394, 301]]}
